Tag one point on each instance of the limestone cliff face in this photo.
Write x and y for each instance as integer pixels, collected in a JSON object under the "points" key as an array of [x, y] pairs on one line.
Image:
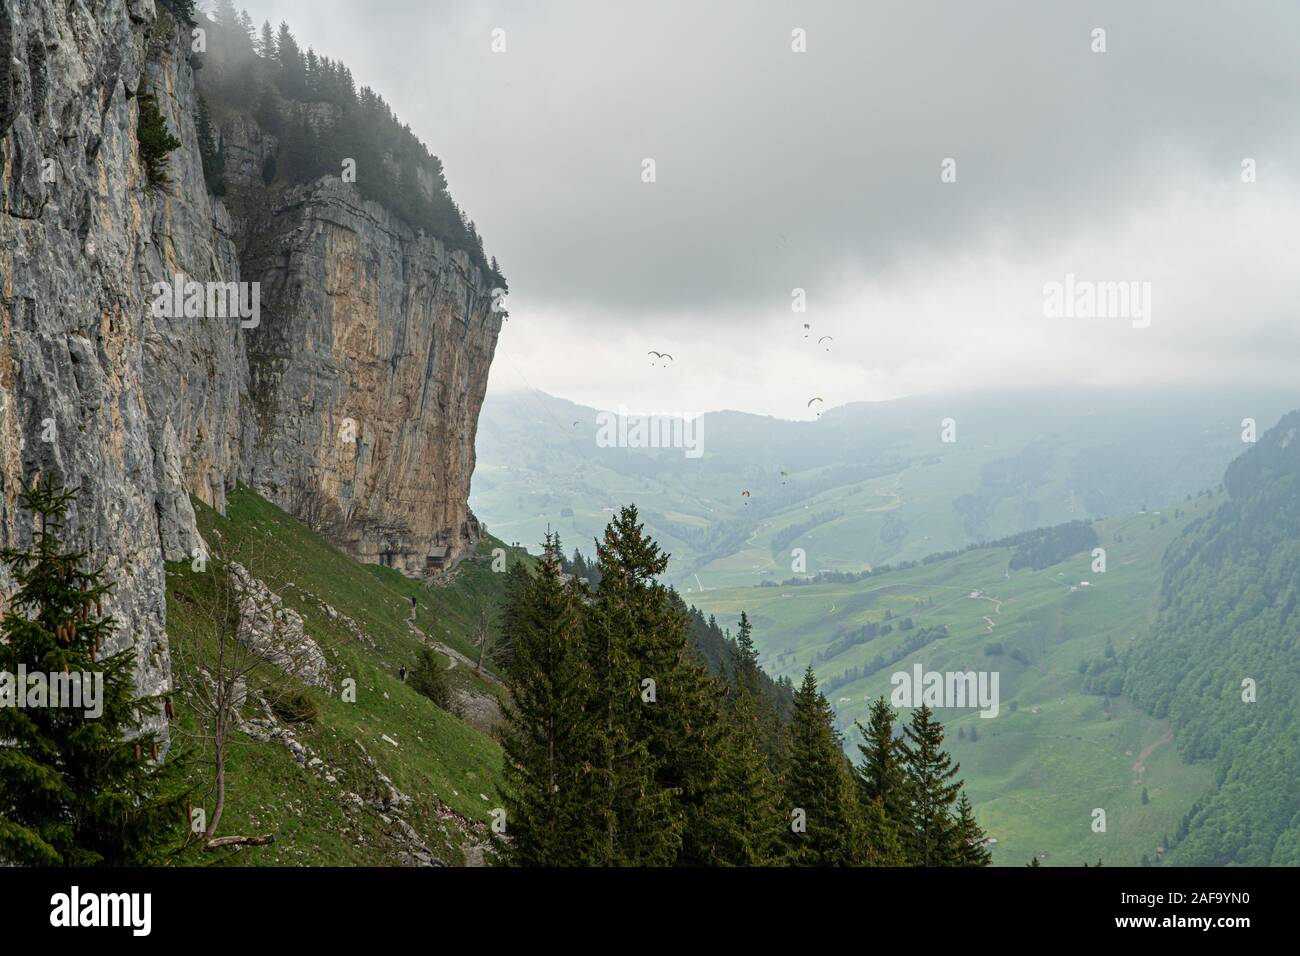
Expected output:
{"points": [[77, 242], [367, 374], [361, 319]]}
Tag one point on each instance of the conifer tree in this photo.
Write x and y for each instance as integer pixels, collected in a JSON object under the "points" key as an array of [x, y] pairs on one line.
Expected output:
{"points": [[183, 10], [971, 850], [224, 14], [515, 587], [155, 140], [211, 158], [931, 834], [881, 840], [266, 44], [428, 677], [746, 663], [76, 789], [688, 742], [881, 776], [621, 747], [550, 818], [819, 784], [745, 809], [748, 679], [634, 636]]}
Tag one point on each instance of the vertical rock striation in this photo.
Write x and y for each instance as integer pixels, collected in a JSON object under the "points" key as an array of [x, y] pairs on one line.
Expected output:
{"points": [[368, 371]]}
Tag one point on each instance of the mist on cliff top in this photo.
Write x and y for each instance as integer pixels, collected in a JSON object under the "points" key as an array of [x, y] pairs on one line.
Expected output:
{"points": [[923, 172]]}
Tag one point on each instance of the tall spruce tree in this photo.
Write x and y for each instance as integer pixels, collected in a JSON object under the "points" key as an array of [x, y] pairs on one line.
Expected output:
{"points": [[224, 14], [881, 776], [971, 850], [266, 42], [745, 810], [75, 789], [819, 784], [515, 587], [931, 837], [881, 840], [747, 677], [665, 764], [689, 742], [745, 665], [547, 735], [208, 153], [634, 636]]}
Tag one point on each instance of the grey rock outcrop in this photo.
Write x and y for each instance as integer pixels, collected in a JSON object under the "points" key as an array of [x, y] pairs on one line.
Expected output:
{"points": [[362, 318], [274, 633]]}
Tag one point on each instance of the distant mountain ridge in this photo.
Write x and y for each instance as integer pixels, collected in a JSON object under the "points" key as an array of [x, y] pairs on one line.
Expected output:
{"points": [[885, 485]]}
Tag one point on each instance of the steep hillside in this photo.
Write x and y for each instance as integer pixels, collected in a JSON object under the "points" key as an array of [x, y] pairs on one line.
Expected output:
{"points": [[333, 791], [1222, 661]]}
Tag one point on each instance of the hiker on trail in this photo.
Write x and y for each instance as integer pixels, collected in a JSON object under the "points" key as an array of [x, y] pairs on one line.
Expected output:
{"points": [[401, 672], [412, 617]]}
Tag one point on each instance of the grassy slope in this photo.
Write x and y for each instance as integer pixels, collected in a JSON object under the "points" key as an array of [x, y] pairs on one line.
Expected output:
{"points": [[447, 767], [1034, 777]]}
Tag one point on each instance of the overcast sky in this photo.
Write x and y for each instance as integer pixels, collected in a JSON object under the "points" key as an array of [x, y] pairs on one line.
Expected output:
{"points": [[821, 170]]}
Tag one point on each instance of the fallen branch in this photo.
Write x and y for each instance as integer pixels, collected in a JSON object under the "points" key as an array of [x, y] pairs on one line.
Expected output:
{"points": [[219, 842]]}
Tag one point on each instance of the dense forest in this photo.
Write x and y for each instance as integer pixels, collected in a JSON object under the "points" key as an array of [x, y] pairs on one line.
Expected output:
{"points": [[319, 118], [1036, 549], [1222, 661], [624, 746], [1043, 547]]}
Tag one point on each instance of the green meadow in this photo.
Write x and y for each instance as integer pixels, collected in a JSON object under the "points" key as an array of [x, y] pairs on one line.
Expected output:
{"points": [[1054, 753]]}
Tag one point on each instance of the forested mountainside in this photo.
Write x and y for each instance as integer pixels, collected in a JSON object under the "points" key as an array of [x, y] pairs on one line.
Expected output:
{"points": [[720, 651], [321, 124], [1222, 660]]}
